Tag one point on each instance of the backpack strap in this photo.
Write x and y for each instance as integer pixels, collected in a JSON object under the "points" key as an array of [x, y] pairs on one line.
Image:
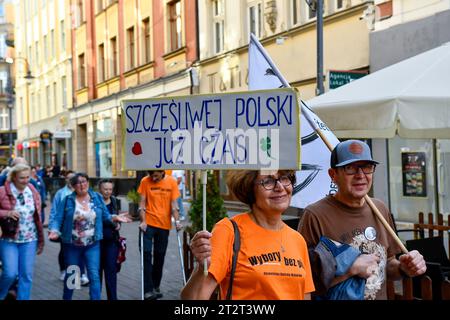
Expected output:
{"points": [[236, 248]]}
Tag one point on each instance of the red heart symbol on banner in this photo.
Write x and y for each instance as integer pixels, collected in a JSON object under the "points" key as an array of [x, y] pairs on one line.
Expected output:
{"points": [[137, 149]]}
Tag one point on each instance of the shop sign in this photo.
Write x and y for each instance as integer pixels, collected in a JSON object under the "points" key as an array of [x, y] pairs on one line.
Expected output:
{"points": [[34, 144], [414, 174], [62, 134]]}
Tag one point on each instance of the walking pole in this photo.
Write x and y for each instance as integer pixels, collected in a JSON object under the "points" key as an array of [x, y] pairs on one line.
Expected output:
{"points": [[204, 181], [181, 258], [141, 239]]}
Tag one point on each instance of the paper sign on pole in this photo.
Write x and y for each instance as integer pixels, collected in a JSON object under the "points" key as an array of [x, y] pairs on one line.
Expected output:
{"points": [[241, 130]]}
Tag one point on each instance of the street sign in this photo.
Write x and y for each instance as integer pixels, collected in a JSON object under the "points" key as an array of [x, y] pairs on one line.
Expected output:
{"points": [[337, 78]]}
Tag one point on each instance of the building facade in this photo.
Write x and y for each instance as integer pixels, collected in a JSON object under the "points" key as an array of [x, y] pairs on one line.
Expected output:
{"points": [[125, 49], [43, 81], [8, 132]]}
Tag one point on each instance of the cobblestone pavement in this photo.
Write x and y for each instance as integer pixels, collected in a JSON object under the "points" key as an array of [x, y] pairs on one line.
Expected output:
{"points": [[47, 286]]}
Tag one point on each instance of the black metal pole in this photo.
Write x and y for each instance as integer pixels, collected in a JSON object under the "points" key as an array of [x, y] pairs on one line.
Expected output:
{"points": [[319, 26]]}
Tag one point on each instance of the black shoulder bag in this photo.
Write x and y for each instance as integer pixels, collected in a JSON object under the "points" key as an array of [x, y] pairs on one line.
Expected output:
{"points": [[236, 248]]}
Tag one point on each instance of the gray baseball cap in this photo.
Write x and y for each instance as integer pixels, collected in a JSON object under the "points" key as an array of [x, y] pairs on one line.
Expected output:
{"points": [[350, 151]]}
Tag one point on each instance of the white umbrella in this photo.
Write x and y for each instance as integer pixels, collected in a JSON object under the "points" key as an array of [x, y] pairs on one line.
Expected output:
{"points": [[410, 98]]}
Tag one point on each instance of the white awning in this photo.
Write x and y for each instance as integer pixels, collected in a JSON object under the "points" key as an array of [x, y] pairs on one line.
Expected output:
{"points": [[410, 98]]}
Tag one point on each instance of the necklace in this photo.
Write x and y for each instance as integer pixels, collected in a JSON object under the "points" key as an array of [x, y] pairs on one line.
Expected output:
{"points": [[278, 229]]}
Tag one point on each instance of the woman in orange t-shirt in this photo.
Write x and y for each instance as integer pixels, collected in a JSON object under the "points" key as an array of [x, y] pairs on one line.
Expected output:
{"points": [[273, 260]]}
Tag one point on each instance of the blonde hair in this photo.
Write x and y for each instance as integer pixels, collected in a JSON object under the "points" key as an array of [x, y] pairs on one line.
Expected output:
{"points": [[16, 169]]}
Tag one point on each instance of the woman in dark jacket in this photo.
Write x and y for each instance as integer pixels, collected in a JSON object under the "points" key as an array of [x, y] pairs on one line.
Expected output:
{"points": [[109, 245], [22, 235]]}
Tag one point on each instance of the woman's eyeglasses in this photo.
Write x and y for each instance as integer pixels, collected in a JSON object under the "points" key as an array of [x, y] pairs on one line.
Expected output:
{"points": [[269, 183], [81, 182]]}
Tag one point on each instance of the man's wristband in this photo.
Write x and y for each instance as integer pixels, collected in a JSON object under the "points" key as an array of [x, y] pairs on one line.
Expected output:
{"points": [[140, 209], [177, 221]]}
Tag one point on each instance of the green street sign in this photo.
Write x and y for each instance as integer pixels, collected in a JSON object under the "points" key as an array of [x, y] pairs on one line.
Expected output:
{"points": [[337, 78]]}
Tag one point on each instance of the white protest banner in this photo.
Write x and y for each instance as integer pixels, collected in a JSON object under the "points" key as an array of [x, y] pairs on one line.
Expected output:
{"points": [[313, 182], [240, 130]]}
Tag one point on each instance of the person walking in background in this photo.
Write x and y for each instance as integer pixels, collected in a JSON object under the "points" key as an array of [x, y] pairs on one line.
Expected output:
{"points": [[22, 234], [41, 189], [109, 245], [346, 217], [272, 262], [40, 170], [58, 199], [3, 178], [79, 222], [159, 194], [179, 176]]}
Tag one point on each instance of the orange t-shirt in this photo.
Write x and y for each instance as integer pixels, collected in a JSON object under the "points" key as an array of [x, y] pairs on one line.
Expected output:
{"points": [[168, 172], [158, 197], [271, 264]]}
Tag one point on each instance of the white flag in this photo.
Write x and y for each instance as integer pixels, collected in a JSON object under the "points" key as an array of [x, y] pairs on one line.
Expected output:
{"points": [[313, 182]]}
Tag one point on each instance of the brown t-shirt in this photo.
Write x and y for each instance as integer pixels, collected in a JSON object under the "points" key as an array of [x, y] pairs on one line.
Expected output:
{"points": [[357, 227]]}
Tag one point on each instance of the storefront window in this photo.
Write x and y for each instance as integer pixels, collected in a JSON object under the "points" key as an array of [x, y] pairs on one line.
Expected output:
{"points": [[103, 159], [411, 170], [103, 148], [103, 129]]}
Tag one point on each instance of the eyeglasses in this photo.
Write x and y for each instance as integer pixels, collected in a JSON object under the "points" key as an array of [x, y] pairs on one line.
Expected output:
{"points": [[21, 199], [269, 183], [81, 182], [352, 169]]}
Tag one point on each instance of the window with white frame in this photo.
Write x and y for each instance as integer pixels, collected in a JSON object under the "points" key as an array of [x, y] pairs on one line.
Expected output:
{"points": [[52, 43], [4, 119], [131, 48], [45, 48], [64, 92], [295, 12], [49, 100], [175, 25], [255, 20], [79, 13], [146, 40], [63, 35], [218, 22], [36, 47], [310, 13], [114, 58], [339, 4], [81, 71], [101, 63], [55, 98], [99, 5]]}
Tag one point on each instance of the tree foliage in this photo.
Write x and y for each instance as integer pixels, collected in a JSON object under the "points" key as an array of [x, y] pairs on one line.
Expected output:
{"points": [[215, 209]]}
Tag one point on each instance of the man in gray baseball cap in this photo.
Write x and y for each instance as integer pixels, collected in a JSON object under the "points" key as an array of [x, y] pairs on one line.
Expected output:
{"points": [[345, 217]]}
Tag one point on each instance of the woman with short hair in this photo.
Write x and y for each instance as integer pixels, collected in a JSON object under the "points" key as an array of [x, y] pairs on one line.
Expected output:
{"points": [[272, 262]]}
